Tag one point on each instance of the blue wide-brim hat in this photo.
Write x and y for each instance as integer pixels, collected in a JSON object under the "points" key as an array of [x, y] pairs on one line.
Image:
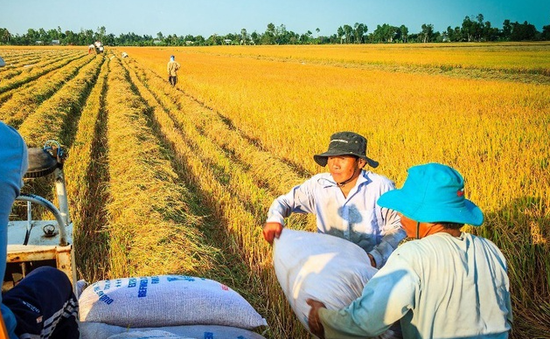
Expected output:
{"points": [[433, 193]]}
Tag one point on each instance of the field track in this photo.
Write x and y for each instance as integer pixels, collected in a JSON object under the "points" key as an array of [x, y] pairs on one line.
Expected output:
{"points": [[178, 180]]}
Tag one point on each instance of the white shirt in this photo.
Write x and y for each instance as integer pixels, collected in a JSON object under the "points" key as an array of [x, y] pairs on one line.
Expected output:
{"points": [[356, 217], [440, 287]]}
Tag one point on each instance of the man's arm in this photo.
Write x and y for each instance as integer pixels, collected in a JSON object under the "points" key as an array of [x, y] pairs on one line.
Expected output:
{"points": [[386, 298], [298, 200], [393, 235], [13, 165]]}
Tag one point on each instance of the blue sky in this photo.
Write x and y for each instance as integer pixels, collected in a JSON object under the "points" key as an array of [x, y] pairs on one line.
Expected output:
{"points": [[206, 17]]}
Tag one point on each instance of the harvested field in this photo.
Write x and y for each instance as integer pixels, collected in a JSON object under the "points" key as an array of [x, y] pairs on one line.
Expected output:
{"points": [[167, 180]]}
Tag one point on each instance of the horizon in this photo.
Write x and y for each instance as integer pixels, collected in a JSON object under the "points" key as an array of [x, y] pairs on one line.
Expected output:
{"points": [[206, 18]]}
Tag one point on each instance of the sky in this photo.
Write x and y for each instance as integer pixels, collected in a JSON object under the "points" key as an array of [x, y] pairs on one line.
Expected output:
{"points": [[207, 17]]}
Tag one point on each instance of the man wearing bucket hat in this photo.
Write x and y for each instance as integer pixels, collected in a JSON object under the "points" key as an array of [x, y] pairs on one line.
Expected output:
{"points": [[448, 284], [343, 200]]}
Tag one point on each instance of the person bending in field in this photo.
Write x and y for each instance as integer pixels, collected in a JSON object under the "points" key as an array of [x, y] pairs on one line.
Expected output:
{"points": [[444, 284], [343, 200], [42, 305], [173, 67]]}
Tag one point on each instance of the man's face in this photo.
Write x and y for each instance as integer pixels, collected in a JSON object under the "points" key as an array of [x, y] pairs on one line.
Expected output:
{"points": [[424, 228], [343, 167]]}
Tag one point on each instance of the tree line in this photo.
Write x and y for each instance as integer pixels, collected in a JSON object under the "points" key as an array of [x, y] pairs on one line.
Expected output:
{"points": [[472, 30]]}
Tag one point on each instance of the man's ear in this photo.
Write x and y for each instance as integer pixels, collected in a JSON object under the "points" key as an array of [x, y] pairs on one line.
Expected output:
{"points": [[361, 162]]}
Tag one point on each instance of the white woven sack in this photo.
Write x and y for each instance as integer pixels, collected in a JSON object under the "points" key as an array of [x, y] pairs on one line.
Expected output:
{"points": [[92, 330], [148, 334], [319, 266], [166, 300]]}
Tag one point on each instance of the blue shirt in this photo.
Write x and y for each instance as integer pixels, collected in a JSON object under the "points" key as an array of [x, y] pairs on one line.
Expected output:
{"points": [[438, 287], [13, 165], [356, 217]]}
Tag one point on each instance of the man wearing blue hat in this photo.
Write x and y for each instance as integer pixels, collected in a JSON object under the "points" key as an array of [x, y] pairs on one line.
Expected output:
{"points": [[343, 200], [447, 284]]}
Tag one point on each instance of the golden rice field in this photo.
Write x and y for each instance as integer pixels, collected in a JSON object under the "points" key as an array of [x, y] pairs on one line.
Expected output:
{"points": [[178, 180]]}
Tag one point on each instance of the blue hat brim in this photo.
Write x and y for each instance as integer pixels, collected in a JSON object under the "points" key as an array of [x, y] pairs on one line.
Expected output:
{"points": [[399, 201]]}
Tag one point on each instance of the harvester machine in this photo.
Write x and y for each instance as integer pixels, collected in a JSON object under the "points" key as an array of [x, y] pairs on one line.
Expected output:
{"points": [[33, 243]]}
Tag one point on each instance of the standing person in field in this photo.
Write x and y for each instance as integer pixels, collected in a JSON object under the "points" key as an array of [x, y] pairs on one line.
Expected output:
{"points": [[444, 284], [343, 200], [173, 67], [42, 305]]}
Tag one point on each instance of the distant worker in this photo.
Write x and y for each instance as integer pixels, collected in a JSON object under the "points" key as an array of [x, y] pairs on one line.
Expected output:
{"points": [[98, 47], [343, 200], [91, 48], [173, 67], [443, 284], [42, 305]]}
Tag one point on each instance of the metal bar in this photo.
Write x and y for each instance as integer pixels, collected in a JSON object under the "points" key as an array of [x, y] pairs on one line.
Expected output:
{"points": [[62, 195], [51, 207]]}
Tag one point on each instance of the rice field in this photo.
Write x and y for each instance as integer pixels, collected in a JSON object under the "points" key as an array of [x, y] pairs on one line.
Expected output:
{"points": [[166, 180]]}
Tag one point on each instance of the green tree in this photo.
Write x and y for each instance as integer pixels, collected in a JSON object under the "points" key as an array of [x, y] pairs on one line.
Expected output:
{"points": [[523, 32], [282, 36], [545, 35], [454, 35], [359, 32], [5, 36], [468, 29], [385, 33], [100, 34], [255, 37], [427, 33], [244, 36], [268, 38], [403, 33], [340, 33], [506, 31], [349, 33], [85, 37], [479, 27]]}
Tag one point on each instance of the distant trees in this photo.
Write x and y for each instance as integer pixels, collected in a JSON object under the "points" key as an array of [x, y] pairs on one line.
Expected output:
{"points": [[479, 30], [427, 33], [472, 30], [384, 33], [545, 33]]}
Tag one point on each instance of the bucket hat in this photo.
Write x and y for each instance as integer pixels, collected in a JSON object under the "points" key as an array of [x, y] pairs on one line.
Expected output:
{"points": [[433, 193], [345, 143]]}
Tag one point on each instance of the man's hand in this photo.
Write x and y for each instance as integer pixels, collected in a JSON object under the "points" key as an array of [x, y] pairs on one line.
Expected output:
{"points": [[272, 230], [313, 321], [372, 261]]}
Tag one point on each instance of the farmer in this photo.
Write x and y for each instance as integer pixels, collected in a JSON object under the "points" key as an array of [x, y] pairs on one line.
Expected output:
{"points": [[173, 67], [448, 284], [343, 200], [42, 305]]}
